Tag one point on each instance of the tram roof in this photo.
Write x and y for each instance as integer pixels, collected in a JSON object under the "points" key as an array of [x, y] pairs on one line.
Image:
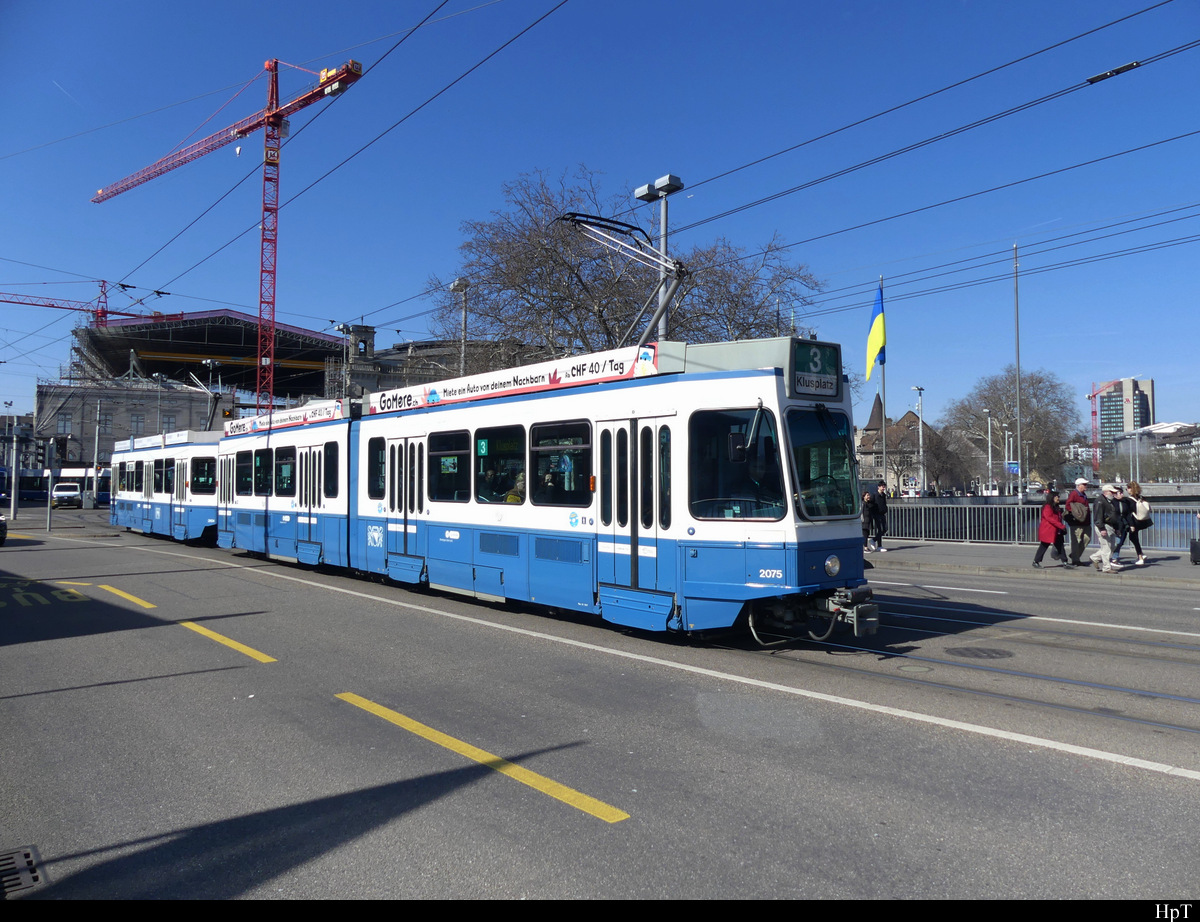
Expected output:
{"points": [[820, 378]]}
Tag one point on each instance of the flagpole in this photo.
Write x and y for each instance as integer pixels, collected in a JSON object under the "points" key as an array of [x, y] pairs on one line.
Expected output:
{"points": [[883, 401], [877, 353]]}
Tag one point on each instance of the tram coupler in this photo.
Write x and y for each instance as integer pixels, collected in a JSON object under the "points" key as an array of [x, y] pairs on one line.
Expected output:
{"points": [[851, 606]]}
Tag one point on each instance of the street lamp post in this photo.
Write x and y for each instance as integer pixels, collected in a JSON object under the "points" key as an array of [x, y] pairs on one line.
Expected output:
{"points": [[988, 413], [660, 189], [158, 377], [460, 285], [1007, 460], [921, 436]]}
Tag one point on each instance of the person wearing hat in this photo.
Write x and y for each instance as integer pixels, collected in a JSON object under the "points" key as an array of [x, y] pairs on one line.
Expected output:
{"points": [[1106, 518], [1079, 517]]}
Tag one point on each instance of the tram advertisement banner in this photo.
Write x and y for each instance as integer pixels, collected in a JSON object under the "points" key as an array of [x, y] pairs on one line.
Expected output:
{"points": [[285, 419], [614, 365]]}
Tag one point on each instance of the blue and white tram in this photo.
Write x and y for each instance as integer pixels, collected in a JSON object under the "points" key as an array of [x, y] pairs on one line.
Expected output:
{"points": [[167, 485], [283, 485], [672, 487]]}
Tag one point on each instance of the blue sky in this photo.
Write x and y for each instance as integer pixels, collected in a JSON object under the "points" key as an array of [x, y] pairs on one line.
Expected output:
{"points": [[633, 90]]}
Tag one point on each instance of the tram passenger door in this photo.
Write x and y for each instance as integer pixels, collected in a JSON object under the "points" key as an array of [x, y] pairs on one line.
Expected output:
{"points": [[397, 482], [179, 508], [405, 503], [225, 464], [308, 495], [635, 496]]}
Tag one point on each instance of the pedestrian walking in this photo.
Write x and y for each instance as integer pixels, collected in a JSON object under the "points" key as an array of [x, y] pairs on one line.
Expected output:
{"points": [[1125, 511], [1140, 522], [1051, 531], [867, 515], [879, 516], [1106, 519], [1078, 517]]}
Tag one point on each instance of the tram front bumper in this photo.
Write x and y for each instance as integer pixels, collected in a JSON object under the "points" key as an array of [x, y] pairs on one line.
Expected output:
{"points": [[852, 606]]}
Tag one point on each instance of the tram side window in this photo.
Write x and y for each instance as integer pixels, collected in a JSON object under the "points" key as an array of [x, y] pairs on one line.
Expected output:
{"points": [[331, 470], [139, 472], [561, 460], [733, 465], [244, 474], [169, 476], [449, 467], [121, 477], [501, 450], [376, 469], [158, 475], [664, 477], [204, 476], [285, 471], [606, 477], [262, 471], [646, 476]]}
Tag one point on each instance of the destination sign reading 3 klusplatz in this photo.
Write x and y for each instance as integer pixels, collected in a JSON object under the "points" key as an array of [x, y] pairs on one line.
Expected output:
{"points": [[817, 369]]}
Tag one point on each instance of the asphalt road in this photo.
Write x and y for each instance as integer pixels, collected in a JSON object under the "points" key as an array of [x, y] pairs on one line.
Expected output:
{"points": [[1006, 734]]}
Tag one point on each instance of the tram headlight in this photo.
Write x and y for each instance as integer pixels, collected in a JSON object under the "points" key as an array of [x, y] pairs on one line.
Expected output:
{"points": [[833, 566]]}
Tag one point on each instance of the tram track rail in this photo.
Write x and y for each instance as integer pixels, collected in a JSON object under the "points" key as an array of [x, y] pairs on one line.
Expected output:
{"points": [[1020, 632], [797, 655]]}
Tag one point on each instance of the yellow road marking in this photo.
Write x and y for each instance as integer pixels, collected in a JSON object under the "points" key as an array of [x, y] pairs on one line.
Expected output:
{"points": [[567, 795], [67, 582], [232, 644], [126, 595]]}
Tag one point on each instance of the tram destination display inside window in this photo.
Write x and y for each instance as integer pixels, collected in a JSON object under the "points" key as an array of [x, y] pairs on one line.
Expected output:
{"points": [[449, 467], [500, 450]]}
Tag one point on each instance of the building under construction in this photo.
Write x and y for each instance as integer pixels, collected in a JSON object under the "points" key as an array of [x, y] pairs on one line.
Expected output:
{"points": [[140, 376]]}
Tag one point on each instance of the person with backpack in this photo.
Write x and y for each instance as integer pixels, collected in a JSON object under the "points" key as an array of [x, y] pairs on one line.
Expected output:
{"points": [[1078, 516], [1106, 520], [1140, 520]]}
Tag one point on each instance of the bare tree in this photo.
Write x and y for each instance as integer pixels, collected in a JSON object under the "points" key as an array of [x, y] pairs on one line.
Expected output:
{"points": [[946, 463], [735, 295], [541, 283], [1049, 419], [902, 454]]}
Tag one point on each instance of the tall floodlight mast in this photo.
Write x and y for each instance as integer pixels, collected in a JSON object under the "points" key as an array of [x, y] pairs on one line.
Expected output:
{"points": [[273, 119]]}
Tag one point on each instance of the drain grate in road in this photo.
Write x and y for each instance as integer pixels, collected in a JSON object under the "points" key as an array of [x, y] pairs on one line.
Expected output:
{"points": [[979, 652], [20, 870]]}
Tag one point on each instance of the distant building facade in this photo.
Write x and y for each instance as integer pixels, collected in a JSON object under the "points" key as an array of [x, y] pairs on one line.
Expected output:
{"points": [[1127, 406], [88, 417]]}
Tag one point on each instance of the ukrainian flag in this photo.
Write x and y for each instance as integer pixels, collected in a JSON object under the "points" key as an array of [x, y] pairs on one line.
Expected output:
{"points": [[876, 337]]}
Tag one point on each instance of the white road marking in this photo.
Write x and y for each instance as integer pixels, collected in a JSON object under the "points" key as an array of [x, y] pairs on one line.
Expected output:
{"points": [[1115, 627], [881, 582], [977, 729]]}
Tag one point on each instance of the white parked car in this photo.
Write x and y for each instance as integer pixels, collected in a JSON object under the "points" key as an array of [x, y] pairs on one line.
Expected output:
{"points": [[66, 494]]}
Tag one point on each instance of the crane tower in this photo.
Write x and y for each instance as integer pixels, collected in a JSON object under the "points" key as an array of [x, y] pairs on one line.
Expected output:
{"points": [[272, 120]]}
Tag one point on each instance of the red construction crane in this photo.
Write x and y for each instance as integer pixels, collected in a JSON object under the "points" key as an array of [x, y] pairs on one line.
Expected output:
{"points": [[272, 119], [97, 308], [1094, 397]]}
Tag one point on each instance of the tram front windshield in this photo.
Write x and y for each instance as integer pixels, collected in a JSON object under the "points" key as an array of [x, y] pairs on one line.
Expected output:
{"points": [[733, 465], [823, 460]]}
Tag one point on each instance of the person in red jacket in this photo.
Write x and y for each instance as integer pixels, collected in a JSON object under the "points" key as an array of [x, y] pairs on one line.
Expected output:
{"points": [[1051, 531]]}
